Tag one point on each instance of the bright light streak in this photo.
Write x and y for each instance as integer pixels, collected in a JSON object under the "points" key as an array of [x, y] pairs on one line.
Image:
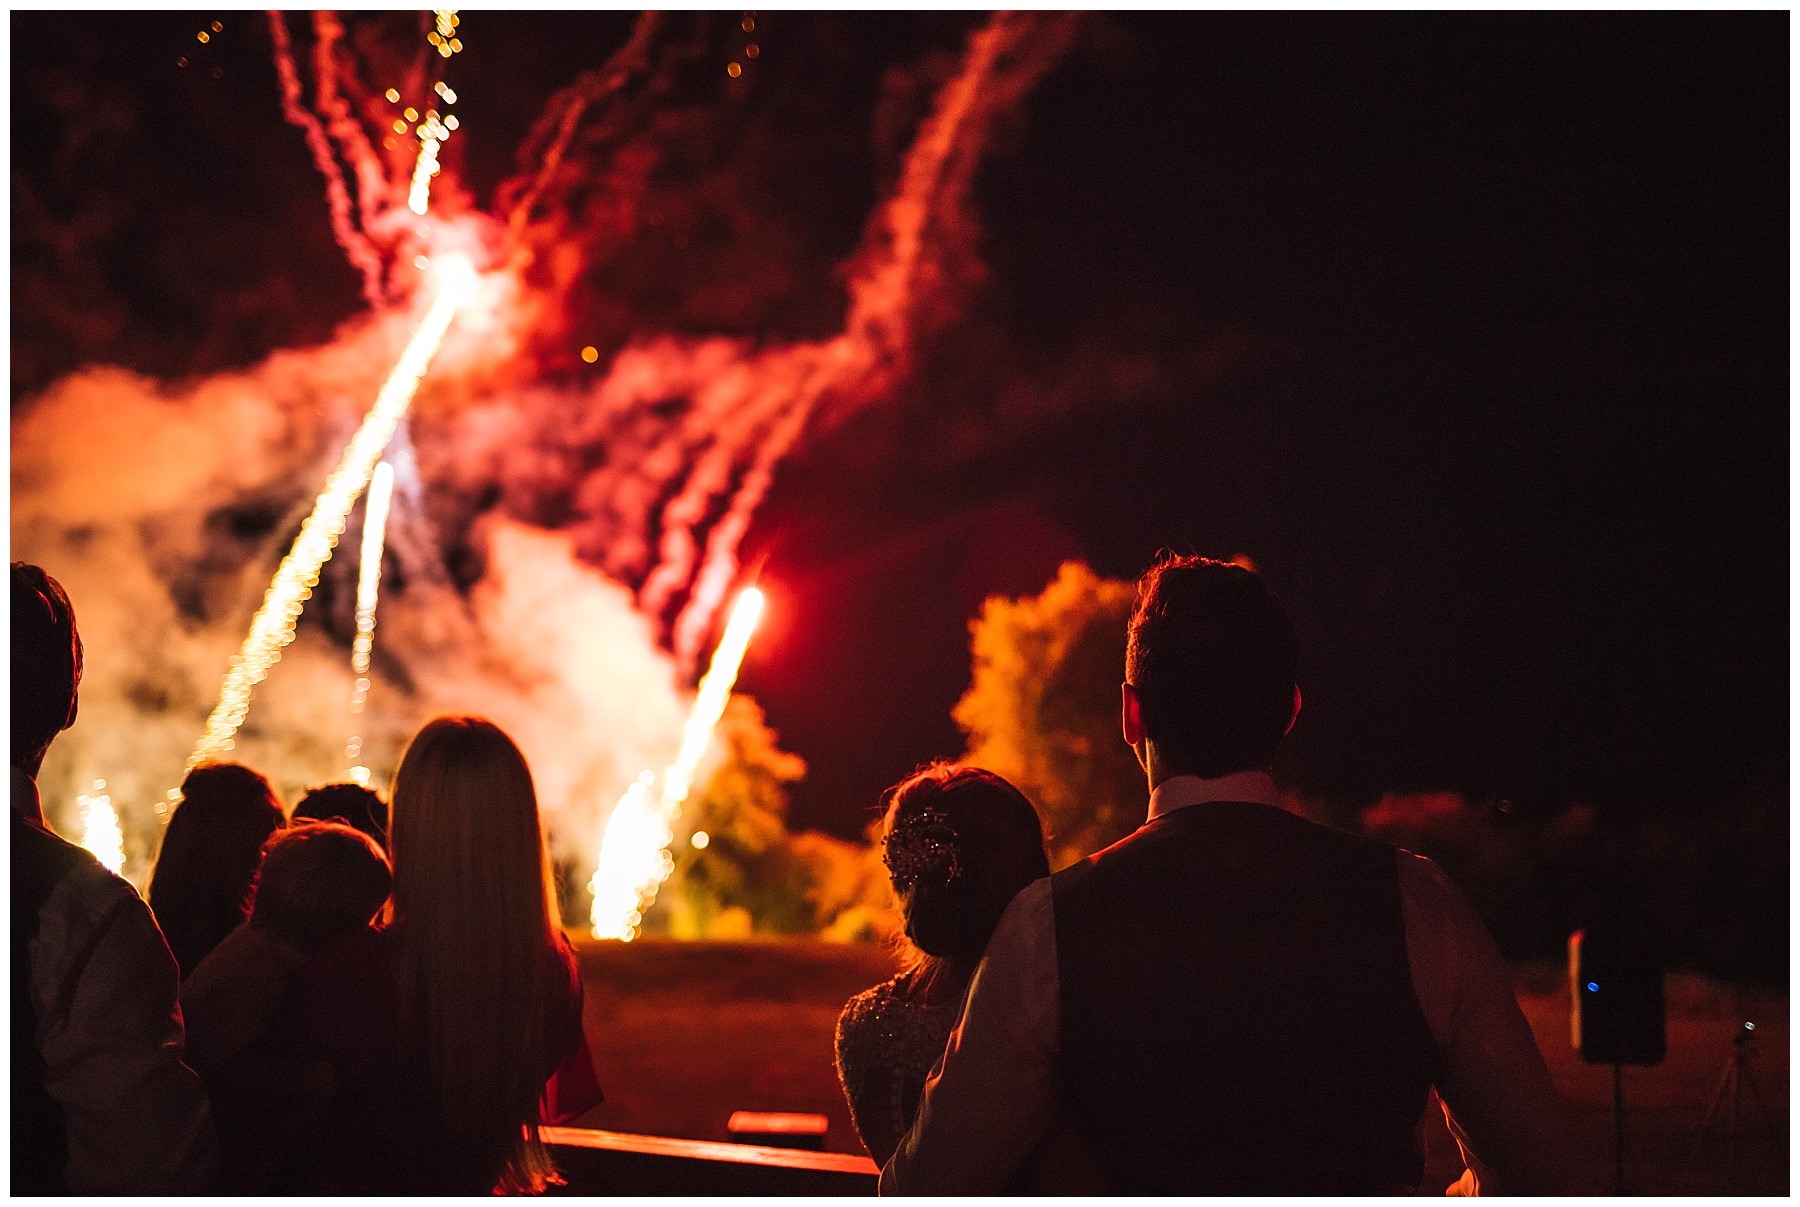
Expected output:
{"points": [[634, 852], [101, 835], [273, 626], [368, 588], [431, 136]]}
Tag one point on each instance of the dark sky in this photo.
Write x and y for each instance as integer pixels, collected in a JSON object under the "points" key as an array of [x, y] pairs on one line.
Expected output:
{"points": [[1471, 329]]}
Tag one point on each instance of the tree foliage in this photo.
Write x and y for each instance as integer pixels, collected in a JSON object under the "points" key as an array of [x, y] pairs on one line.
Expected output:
{"points": [[754, 876], [1042, 707]]}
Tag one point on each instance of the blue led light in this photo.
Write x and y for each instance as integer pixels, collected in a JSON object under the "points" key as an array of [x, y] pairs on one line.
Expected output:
{"points": [[1593, 987]]}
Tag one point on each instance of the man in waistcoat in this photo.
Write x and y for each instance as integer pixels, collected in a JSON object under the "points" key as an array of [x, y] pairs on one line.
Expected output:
{"points": [[101, 1101], [1234, 1000]]}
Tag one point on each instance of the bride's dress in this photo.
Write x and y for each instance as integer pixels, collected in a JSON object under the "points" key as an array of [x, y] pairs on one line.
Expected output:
{"points": [[888, 1038]]}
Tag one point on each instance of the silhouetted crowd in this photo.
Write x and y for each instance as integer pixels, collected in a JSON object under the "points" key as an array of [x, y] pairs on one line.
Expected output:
{"points": [[378, 997], [362, 997]]}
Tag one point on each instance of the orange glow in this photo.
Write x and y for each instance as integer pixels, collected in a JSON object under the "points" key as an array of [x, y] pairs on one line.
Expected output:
{"points": [[733, 70], [101, 836], [590, 354]]}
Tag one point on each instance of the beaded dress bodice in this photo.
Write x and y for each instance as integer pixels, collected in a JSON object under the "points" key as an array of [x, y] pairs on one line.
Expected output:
{"points": [[888, 1039]]}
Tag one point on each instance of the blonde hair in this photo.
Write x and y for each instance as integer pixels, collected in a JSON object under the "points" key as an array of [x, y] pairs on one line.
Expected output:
{"points": [[477, 923]]}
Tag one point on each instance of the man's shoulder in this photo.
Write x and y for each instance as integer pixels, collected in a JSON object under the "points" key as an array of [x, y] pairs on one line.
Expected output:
{"points": [[66, 872]]}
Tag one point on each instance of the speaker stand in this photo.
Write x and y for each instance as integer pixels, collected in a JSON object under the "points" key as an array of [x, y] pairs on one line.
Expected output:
{"points": [[1728, 1097], [1618, 1128]]}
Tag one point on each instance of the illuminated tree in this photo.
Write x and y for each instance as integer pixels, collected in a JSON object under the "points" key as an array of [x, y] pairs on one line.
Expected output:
{"points": [[753, 875], [1042, 707]]}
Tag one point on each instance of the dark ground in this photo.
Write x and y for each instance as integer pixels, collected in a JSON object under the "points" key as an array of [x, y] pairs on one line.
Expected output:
{"points": [[686, 1033]]}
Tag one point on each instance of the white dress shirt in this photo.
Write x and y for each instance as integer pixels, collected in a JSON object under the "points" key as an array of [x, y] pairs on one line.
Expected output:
{"points": [[993, 1094]]}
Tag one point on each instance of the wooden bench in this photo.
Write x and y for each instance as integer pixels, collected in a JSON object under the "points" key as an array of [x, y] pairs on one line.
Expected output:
{"points": [[613, 1163]]}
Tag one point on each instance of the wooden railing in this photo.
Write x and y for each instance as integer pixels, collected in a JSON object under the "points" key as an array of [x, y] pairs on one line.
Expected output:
{"points": [[613, 1163]]}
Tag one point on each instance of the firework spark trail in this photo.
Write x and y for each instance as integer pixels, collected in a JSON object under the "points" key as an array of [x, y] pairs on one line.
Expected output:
{"points": [[744, 421], [362, 253], [784, 390], [634, 858], [373, 197], [101, 836], [273, 626], [368, 588], [565, 110]]}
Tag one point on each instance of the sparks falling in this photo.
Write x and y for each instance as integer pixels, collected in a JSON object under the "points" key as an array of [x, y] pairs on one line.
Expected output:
{"points": [[273, 626], [368, 589], [634, 855]]}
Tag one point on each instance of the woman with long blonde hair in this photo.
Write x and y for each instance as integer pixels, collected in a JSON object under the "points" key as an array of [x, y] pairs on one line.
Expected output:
{"points": [[469, 1001]]}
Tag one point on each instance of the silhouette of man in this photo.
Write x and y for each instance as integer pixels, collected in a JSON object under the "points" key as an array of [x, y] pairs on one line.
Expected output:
{"points": [[1234, 1000], [102, 1103]]}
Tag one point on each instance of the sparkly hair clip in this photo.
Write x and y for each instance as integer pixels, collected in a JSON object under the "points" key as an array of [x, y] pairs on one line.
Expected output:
{"points": [[921, 847]]}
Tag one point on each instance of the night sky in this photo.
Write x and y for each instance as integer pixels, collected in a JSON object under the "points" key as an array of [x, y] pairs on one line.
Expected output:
{"points": [[1470, 329]]}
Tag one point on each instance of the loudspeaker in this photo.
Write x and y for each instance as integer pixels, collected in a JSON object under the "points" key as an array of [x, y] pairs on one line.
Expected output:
{"points": [[1616, 999]]}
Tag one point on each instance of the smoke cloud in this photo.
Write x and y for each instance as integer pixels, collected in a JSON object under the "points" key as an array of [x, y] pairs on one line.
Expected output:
{"points": [[559, 552]]}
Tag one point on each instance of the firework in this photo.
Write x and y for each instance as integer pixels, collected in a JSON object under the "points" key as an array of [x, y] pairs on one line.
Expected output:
{"points": [[273, 626], [100, 833], [634, 853], [368, 586]]}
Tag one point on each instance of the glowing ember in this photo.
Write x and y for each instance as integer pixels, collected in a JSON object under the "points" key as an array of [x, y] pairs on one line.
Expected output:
{"points": [[273, 626], [431, 135], [634, 853], [100, 834], [368, 586]]}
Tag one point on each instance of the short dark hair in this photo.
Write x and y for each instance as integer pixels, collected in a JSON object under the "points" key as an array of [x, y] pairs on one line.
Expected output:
{"points": [[960, 843], [347, 801], [1210, 654], [318, 880], [46, 664]]}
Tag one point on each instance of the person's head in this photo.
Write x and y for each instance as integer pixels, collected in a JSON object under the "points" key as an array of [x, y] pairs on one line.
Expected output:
{"points": [[318, 880], [200, 891], [1209, 669], [465, 824], [959, 843], [476, 917], [46, 665], [351, 803]]}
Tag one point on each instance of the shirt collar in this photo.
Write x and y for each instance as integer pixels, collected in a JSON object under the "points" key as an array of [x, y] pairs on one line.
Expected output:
{"points": [[1180, 791]]}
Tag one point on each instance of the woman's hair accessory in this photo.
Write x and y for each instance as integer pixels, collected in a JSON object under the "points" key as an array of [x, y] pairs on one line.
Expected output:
{"points": [[920, 847]]}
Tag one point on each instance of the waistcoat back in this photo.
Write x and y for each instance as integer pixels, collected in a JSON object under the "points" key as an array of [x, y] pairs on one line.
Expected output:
{"points": [[1238, 1014]]}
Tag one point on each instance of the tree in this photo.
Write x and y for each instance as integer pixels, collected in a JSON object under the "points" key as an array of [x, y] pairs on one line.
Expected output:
{"points": [[753, 875], [1042, 707]]}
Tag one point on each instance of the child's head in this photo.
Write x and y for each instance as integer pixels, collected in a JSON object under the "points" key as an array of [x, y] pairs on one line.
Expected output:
{"points": [[318, 880]]}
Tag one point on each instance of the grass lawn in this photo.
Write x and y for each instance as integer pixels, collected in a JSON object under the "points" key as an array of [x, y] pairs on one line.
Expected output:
{"points": [[686, 1033]]}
